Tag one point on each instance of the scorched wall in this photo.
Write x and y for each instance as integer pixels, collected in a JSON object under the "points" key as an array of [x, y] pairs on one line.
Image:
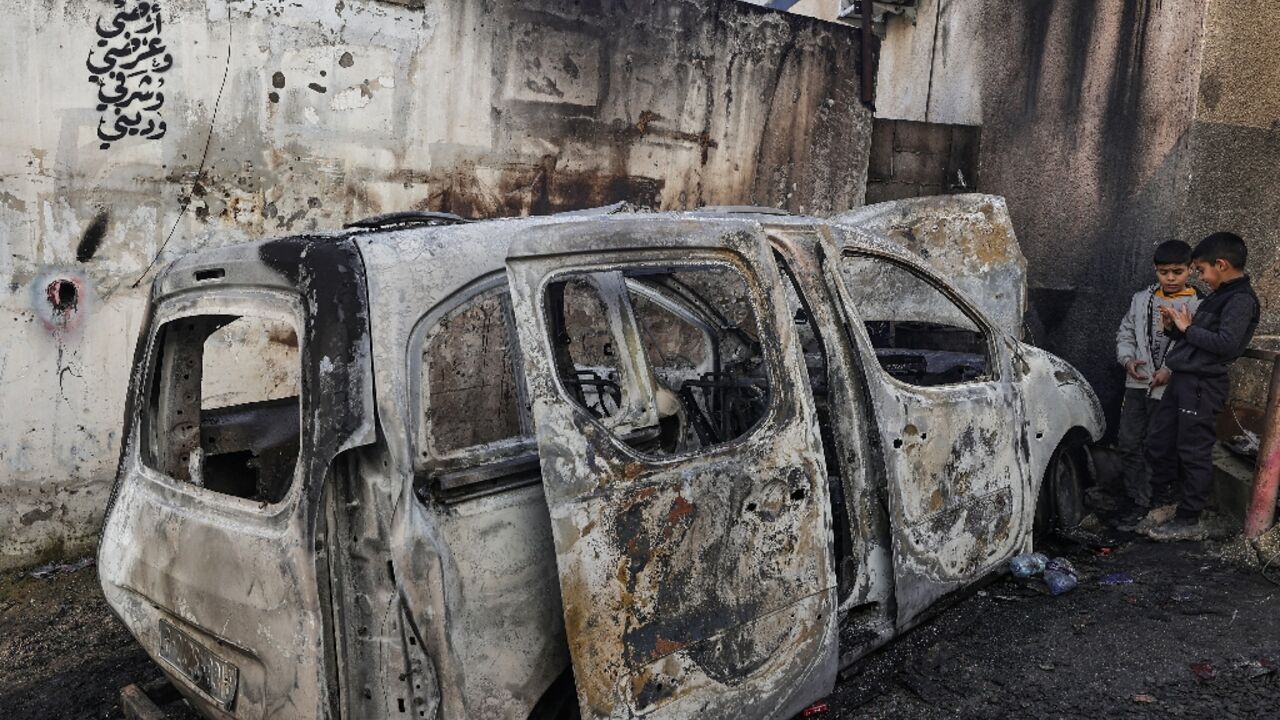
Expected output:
{"points": [[135, 132]]}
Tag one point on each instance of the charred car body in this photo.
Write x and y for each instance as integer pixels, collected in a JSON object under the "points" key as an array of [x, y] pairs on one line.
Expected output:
{"points": [[679, 461]]}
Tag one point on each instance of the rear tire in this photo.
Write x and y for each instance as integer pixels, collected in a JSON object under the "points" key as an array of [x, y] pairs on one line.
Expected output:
{"points": [[1060, 505]]}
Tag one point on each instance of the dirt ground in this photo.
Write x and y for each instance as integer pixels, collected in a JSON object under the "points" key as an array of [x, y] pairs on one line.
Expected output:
{"points": [[1009, 650]]}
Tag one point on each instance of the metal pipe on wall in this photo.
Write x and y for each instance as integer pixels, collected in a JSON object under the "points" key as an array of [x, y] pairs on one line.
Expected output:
{"points": [[1262, 506]]}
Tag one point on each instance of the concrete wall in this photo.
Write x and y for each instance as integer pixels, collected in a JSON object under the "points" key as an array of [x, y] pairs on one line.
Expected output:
{"points": [[1095, 126], [1233, 159], [279, 119]]}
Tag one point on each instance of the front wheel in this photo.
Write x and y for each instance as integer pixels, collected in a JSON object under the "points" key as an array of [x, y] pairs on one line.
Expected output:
{"points": [[1060, 505]]}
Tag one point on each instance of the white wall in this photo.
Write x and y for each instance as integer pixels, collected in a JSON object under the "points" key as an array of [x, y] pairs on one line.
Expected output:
{"points": [[337, 110]]}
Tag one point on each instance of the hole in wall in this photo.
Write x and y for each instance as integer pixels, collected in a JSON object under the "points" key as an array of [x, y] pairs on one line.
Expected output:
{"points": [[63, 296]]}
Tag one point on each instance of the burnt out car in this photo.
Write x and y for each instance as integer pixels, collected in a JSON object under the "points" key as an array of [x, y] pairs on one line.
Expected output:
{"points": [[611, 463]]}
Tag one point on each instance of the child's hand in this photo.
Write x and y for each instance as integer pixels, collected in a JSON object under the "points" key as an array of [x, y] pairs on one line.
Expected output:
{"points": [[1132, 366], [1179, 315], [1161, 377]]}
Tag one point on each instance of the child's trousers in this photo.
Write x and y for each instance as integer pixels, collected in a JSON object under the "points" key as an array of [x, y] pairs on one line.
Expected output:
{"points": [[1182, 433], [1135, 417]]}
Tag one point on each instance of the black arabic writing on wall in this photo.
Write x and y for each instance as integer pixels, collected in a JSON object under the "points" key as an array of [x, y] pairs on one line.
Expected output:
{"points": [[127, 64]]}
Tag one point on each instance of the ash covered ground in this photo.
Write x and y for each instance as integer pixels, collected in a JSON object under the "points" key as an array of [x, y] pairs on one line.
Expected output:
{"points": [[1194, 636]]}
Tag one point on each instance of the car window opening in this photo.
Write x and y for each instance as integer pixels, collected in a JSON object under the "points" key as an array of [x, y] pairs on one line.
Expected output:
{"points": [[474, 431], [471, 392], [920, 336], [698, 336], [223, 411]]}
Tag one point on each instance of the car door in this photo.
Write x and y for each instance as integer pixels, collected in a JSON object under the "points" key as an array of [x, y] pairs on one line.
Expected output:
{"points": [[948, 419], [693, 557]]}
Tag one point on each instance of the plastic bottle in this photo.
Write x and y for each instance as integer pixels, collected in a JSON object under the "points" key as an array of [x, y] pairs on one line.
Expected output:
{"points": [[1060, 576], [1027, 564]]}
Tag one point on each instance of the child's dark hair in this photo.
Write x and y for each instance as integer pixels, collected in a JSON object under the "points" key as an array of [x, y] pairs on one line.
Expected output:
{"points": [[1172, 252], [1222, 246]]}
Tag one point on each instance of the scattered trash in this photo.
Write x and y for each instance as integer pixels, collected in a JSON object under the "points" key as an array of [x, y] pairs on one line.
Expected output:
{"points": [[816, 709], [1092, 524], [1120, 578], [1256, 668], [1060, 576], [1144, 698], [48, 571], [1246, 443], [1104, 551], [1028, 564], [1047, 667], [1204, 671]]}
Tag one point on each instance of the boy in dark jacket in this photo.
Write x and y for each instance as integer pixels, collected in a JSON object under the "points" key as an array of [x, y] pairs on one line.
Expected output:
{"points": [[1182, 429]]}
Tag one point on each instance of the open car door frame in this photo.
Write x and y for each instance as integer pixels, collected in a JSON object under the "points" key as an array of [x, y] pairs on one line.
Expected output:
{"points": [[700, 583]]}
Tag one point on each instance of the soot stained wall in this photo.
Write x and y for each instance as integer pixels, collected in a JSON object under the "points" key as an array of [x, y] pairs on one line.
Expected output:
{"points": [[279, 117]]}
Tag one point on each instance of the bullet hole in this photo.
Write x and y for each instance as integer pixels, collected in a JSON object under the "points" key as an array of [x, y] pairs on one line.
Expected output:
{"points": [[277, 80], [63, 296], [897, 443], [318, 88], [346, 60], [313, 202], [92, 237], [273, 96], [797, 494], [324, 73]]}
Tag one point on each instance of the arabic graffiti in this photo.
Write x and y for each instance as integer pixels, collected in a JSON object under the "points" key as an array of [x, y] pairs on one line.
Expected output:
{"points": [[127, 64]]}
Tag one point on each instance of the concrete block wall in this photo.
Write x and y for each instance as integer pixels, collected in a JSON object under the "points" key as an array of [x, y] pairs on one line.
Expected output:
{"points": [[914, 159], [1109, 129], [280, 117]]}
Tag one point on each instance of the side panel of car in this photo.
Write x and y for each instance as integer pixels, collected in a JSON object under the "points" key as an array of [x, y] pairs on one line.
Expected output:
{"points": [[1061, 409], [207, 552]]}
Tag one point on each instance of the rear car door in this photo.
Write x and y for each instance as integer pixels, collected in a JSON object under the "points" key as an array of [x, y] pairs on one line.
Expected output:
{"points": [[685, 477], [949, 421], [251, 378]]}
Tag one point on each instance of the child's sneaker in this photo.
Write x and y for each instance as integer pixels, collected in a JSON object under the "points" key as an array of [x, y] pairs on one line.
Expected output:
{"points": [[1178, 528]]}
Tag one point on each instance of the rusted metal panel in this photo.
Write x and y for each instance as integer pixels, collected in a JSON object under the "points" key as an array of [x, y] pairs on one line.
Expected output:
{"points": [[968, 239]]}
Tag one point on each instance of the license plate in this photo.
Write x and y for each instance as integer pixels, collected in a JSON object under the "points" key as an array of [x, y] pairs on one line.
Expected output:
{"points": [[208, 672]]}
